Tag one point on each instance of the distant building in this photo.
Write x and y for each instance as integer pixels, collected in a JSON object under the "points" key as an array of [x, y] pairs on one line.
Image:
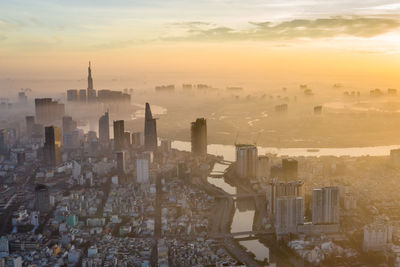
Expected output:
{"points": [[165, 88], [109, 96], [281, 108], [289, 214], [121, 162], [82, 96], [4, 247], [263, 167], [72, 140], [277, 189], [181, 170], [142, 170], [3, 141], [30, 122], [325, 205], [127, 139], [119, 135], [91, 93], [318, 110], [246, 161], [150, 130], [42, 198], [104, 129], [137, 139], [73, 95], [52, 146], [22, 98], [198, 133], [48, 110], [166, 145], [289, 169], [377, 236], [68, 124]]}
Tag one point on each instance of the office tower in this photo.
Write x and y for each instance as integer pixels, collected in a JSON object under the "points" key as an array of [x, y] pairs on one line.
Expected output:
{"points": [[73, 95], [289, 169], [325, 205], [42, 198], [277, 189], [104, 129], [72, 140], [91, 93], [82, 96], [127, 139], [198, 134], [246, 161], [3, 141], [121, 162], [142, 170], [289, 214], [263, 167], [137, 139], [30, 122], [48, 110], [68, 124], [52, 146], [150, 130], [119, 135]]}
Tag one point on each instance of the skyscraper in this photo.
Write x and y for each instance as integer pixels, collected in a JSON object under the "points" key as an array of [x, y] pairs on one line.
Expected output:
{"points": [[277, 189], [325, 205], [52, 146], [119, 135], [91, 93], [104, 129], [289, 214], [127, 139], [48, 110], [68, 124], [246, 161], [150, 130], [198, 133], [42, 198], [90, 79]]}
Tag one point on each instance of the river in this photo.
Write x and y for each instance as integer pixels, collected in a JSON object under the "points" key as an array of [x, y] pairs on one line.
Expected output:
{"points": [[228, 151], [244, 211]]}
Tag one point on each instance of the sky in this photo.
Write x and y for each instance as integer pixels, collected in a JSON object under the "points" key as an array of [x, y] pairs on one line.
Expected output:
{"points": [[233, 40]]}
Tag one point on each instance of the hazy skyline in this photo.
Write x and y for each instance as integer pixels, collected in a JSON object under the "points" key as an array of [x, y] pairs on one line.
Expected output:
{"points": [[331, 40]]}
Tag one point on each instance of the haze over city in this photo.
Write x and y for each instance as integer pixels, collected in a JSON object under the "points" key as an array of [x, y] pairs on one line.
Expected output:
{"points": [[199, 133]]}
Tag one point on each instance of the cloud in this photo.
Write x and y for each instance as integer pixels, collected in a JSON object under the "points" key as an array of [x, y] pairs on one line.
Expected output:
{"points": [[294, 29]]}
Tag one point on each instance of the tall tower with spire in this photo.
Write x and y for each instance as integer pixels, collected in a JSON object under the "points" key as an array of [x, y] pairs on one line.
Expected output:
{"points": [[91, 93], [90, 80], [150, 130]]}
